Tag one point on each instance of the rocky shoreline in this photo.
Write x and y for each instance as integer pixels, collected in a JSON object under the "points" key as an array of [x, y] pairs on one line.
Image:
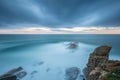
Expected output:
{"points": [[99, 67]]}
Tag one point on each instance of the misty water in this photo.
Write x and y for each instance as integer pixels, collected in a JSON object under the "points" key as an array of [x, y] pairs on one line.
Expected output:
{"points": [[48, 60]]}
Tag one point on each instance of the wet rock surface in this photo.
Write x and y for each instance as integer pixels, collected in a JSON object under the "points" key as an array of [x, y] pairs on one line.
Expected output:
{"points": [[14, 74], [72, 73]]}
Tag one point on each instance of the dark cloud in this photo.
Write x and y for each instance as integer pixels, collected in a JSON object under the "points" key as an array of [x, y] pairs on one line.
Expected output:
{"points": [[59, 13]]}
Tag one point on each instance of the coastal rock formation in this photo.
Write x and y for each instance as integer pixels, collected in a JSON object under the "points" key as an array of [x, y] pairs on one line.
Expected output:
{"points": [[14, 74], [99, 66], [72, 73]]}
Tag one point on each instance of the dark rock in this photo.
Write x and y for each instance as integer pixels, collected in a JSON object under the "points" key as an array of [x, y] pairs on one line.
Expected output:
{"points": [[9, 78], [17, 72], [12, 72], [21, 74], [72, 45], [72, 73]]}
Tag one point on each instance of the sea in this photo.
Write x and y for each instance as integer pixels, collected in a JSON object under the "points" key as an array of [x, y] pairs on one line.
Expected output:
{"points": [[47, 56]]}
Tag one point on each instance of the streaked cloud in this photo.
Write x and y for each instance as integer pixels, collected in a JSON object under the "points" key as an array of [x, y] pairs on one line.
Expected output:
{"points": [[59, 13], [75, 30], [59, 16]]}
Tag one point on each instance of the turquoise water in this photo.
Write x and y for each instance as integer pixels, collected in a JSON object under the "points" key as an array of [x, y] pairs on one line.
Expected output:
{"points": [[49, 55]]}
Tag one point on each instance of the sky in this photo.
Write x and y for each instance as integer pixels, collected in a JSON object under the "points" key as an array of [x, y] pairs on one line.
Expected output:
{"points": [[59, 16]]}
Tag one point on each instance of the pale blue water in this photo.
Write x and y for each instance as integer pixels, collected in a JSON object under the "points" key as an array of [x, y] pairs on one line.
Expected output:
{"points": [[29, 50]]}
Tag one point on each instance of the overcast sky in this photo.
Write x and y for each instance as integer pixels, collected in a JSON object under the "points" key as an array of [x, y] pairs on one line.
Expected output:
{"points": [[59, 16]]}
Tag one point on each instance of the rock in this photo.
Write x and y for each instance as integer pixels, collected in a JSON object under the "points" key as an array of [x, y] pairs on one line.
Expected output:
{"points": [[97, 70], [12, 72], [99, 65], [21, 74], [98, 59], [94, 76], [40, 63], [72, 45], [9, 78], [72, 73], [113, 65], [102, 50], [103, 74], [17, 72]]}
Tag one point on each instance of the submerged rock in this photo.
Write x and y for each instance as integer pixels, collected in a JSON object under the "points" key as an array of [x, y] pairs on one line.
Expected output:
{"points": [[72, 73], [14, 74], [34, 72], [21, 74], [72, 45], [40, 63]]}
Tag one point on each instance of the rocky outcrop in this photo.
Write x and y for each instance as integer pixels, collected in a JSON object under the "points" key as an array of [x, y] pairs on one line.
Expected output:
{"points": [[14, 74], [99, 65], [72, 73], [102, 50]]}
